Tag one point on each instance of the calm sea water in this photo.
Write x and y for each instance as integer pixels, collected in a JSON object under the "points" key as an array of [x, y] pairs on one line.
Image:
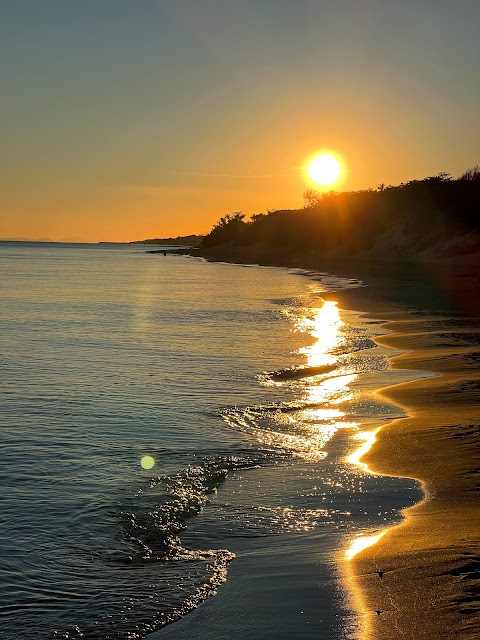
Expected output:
{"points": [[249, 392]]}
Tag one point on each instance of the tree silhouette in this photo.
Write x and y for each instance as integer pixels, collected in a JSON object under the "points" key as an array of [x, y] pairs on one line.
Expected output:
{"points": [[351, 222], [229, 230]]}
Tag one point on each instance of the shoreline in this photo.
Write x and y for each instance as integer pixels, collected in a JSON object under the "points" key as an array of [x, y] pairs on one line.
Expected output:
{"points": [[430, 562], [431, 559], [309, 579]]}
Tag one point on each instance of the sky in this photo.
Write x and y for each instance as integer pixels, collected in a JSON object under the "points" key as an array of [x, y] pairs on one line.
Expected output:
{"points": [[130, 119]]}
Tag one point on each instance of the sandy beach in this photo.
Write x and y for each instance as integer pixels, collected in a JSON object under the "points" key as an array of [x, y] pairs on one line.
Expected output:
{"points": [[429, 565], [421, 579]]}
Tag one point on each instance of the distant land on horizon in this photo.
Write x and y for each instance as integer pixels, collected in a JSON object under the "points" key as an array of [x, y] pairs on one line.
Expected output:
{"points": [[20, 239], [190, 241], [28, 240], [65, 241]]}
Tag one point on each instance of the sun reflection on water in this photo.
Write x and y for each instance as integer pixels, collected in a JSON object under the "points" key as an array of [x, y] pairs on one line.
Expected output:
{"points": [[305, 426], [332, 390], [324, 324], [322, 397], [318, 418]]}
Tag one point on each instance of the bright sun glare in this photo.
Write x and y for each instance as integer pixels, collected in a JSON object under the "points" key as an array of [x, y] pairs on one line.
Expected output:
{"points": [[324, 169]]}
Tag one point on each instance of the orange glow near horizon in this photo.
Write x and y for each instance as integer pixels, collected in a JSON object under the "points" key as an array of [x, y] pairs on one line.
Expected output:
{"points": [[130, 158]]}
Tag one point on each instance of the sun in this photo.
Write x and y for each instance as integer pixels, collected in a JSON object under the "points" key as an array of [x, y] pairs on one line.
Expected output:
{"points": [[324, 169]]}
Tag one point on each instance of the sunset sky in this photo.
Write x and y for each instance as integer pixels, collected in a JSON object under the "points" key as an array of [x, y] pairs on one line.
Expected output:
{"points": [[124, 120]]}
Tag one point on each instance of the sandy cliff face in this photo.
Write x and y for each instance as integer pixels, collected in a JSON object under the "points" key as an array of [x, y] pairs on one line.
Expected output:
{"points": [[440, 243]]}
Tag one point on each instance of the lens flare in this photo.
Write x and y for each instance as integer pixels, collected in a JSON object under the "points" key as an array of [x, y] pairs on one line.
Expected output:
{"points": [[147, 462]]}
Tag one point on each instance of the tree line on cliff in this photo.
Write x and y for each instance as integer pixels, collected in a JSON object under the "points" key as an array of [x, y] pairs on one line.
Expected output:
{"points": [[353, 221], [177, 241]]}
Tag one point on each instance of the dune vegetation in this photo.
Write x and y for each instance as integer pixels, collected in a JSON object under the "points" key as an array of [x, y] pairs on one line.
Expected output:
{"points": [[419, 214]]}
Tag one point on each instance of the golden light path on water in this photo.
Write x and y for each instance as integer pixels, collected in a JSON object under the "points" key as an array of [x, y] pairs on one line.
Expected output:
{"points": [[326, 327], [311, 426], [307, 425], [322, 417]]}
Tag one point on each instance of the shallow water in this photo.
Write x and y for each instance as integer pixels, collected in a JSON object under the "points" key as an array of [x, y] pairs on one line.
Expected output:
{"points": [[247, 389]]}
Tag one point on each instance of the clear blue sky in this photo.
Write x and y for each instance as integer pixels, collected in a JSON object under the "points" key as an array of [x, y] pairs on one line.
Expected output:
{"points": [[130, 119]]}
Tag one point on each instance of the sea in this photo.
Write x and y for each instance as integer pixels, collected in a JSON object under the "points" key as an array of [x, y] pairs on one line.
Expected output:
{"points": [[180, 446]]}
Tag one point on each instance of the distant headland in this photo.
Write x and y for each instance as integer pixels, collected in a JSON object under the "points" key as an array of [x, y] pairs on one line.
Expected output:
{"points": [[178, 241]]}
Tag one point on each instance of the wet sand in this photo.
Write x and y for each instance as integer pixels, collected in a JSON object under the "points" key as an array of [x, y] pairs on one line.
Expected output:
{"points": [[422, 578]]}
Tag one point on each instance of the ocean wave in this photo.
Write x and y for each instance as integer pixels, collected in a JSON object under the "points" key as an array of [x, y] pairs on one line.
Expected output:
{"points": [[150, 525]]}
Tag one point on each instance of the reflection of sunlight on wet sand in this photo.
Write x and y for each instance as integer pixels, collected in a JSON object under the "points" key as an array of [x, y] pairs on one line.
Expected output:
{"points": [[363, 625], [368, 438], [362, 542]]}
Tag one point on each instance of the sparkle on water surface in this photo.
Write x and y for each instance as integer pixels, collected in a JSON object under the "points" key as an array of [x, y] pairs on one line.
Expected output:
{"points": [[135, 366]]}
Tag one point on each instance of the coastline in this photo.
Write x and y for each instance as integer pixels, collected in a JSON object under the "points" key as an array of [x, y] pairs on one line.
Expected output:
{"points": [[431, 559]]}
